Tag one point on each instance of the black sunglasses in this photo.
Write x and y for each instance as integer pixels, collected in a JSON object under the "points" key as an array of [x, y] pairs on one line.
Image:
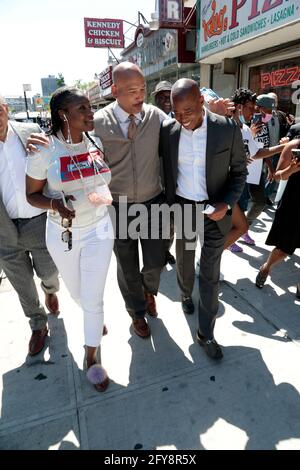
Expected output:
{"points": [[66, 236]]}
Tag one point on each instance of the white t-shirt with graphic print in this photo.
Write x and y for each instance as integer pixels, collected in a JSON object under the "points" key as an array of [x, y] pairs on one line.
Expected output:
{"points": [[251, 148], [76, 170]]}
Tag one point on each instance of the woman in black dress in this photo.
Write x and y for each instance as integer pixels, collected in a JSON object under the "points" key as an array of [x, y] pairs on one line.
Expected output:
{"points": [[285, 230]]}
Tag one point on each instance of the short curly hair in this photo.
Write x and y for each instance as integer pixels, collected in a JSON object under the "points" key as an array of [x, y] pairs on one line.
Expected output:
{"points": [[242, 95]]}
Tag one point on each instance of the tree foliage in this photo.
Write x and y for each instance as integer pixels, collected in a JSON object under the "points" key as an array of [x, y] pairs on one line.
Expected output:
{"points": [[60, 80], [83, 85]]}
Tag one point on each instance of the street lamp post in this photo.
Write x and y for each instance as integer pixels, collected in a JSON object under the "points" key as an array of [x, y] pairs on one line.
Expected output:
{"points": [[26, 87]]}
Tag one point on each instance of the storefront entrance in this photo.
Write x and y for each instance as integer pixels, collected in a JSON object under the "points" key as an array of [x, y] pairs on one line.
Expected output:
{"points": [[280, 77]]}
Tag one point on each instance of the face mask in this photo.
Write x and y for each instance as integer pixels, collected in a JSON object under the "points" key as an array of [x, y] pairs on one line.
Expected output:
{"points": [[242, 119], [266, 118]]}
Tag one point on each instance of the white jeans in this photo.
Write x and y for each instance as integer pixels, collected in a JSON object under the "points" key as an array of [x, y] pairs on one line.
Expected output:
{"points": [[84, 269]]}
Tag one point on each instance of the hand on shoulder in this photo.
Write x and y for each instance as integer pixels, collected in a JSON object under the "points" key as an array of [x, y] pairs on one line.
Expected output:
{"points": [[35, 140]]}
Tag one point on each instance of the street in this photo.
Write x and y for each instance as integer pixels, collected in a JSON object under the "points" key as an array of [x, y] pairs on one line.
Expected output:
{"points": [[165, 393]]}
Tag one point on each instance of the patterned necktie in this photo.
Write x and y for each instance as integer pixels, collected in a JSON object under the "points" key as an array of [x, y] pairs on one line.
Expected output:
{"points": [[132, 128]]}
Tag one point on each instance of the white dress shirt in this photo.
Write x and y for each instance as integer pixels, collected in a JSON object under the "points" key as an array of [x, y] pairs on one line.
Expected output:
{"points": [[191, 181], [13, 177], [124, 121]]}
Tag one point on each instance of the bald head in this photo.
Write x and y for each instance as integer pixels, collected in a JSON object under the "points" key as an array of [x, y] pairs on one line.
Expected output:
{"points": [[124, 71], [187, 103], [129, 87], [185, 87]]}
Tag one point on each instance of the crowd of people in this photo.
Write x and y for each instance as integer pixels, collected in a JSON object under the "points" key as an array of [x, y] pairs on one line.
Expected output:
{"points": [[207, 157]]}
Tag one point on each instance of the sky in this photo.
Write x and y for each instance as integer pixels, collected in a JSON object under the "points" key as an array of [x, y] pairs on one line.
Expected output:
{"points": [[46, 37]]}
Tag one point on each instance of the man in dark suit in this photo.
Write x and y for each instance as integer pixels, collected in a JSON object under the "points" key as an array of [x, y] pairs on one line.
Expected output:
{"points": [[204, 162], [22, 231], [294, 131], [162, 99]]}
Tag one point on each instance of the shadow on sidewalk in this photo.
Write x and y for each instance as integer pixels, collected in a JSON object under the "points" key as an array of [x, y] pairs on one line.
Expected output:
{"points": [[279, 306], [38, 398], [182, 404], [242, 393]]}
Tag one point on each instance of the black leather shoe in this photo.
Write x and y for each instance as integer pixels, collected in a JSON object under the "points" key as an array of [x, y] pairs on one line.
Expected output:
{"points": [[187, 305], [170, 258], [210, 346], [269, 202]]}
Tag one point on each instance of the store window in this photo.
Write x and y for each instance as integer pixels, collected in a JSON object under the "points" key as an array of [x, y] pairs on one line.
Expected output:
{"points": [[223, 85], [279, 77]]}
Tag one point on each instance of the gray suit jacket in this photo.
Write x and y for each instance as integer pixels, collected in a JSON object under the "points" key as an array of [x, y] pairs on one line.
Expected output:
{"points": [[8, 231], [226, 170]]}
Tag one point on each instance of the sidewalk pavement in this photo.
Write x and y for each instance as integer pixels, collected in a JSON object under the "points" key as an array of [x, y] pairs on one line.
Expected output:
{"points": [[165, 393]]}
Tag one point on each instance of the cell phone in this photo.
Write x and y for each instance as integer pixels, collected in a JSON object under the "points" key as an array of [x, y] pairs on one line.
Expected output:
{"points": [[68, 204], [257, 118], [296, 154], [208, 209]]}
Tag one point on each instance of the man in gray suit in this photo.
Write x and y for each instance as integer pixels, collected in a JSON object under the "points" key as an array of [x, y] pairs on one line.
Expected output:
{"points": [[22, 232], [204, 162]]}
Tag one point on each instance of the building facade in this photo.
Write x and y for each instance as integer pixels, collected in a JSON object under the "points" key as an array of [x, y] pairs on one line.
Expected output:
{"points": [[94, 95], [252, 44], [163, 52], [157, 54], [49, 85], [16, 104]]}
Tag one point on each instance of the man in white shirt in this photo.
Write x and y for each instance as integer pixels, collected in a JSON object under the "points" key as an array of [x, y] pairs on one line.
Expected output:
{"points": [[129, 131], [204, 162], [22, 232]]}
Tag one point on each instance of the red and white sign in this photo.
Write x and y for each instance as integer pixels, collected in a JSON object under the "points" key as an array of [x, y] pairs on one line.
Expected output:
{"points": [[170, 13], [105, 78], [104, 33], [278, 78], [225, 24]]}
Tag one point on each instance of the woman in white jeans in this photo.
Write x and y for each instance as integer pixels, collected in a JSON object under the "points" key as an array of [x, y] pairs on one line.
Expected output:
{"points": [[70, 178]]}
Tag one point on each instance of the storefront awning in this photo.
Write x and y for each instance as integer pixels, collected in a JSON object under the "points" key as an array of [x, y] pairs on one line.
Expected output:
{"points": [[265, 41]]}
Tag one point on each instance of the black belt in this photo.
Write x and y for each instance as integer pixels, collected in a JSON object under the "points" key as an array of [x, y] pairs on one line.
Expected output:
{"points": [[189, 201]]}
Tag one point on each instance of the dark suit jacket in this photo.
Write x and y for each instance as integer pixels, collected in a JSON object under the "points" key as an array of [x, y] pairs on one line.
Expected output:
{"points": [[283, 124], [294, 132], [226, 170], [8, 231]]}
